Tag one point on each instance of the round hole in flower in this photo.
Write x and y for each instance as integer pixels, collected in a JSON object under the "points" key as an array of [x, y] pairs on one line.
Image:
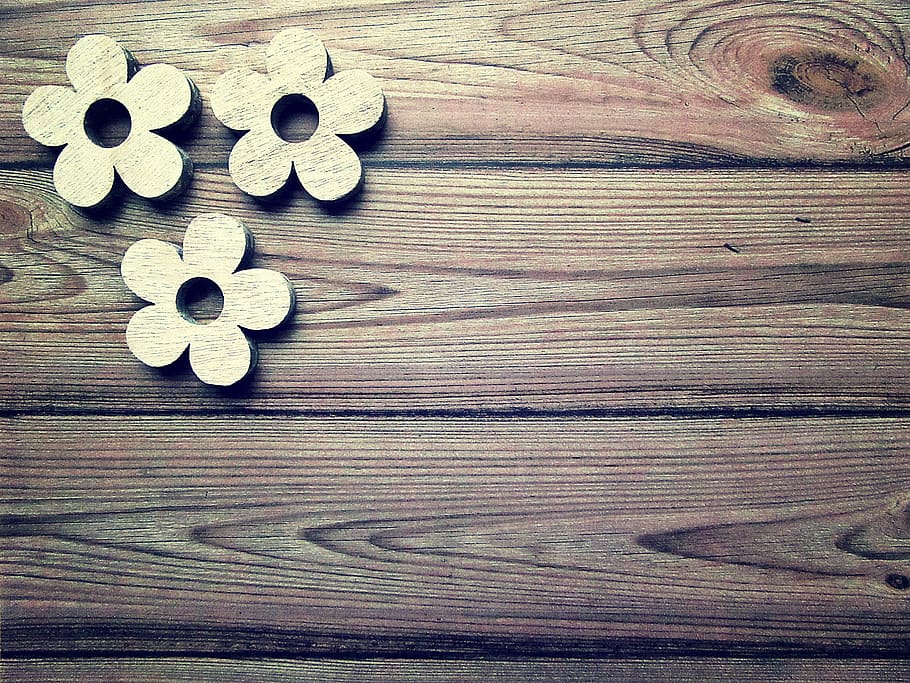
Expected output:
{"points": [[200, 300], [295, 118], [107, 122]]}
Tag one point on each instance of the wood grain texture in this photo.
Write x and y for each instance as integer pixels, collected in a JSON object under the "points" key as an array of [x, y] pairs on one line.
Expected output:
{"points": [[455, 537], [604, 374], [525, 289], [624, 82], [669, 670]]}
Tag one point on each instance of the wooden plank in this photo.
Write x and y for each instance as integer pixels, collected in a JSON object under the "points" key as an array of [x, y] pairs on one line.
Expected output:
{"points": [[460, 538], [625, 82], [674, 670], [595, 289]]}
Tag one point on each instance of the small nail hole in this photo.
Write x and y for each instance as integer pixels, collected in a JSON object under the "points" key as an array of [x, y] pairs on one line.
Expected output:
{"points": [[898, 581]]}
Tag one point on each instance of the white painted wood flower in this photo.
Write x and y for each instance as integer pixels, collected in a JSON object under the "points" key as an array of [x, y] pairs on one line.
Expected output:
{"points": [[348, 103], [214, 246], [105, 80]]}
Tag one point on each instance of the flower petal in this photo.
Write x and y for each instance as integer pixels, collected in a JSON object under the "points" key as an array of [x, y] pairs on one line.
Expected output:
{"points": [[220, 354], [97, 64], [260, 163], [51, 115], [296, 58], [257, 299], [159, 96], [157, 335], [214, 245], [151, 166], [327, 167], [239, 98], [84, 174], [349, 102], [153, 270]]}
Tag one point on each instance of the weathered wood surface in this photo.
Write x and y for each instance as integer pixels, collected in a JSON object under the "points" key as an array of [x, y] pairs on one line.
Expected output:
{"points": [[629, 81], [543, 413], [498, 290], [670, 670], [455, 536]]}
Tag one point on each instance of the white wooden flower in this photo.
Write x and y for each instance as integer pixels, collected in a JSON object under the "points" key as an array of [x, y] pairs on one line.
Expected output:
{"points": [[159, 96], [348, 103], [254, 299]]}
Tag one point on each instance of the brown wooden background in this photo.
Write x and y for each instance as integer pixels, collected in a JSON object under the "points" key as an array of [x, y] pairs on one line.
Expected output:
{"points": [[604, 374]]}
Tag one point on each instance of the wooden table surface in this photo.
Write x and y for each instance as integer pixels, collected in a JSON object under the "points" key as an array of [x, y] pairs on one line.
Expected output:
{"points": [[604, 373]]}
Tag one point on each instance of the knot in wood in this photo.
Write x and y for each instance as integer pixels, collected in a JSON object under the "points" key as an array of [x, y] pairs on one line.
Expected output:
{"points": [[827, 80]]}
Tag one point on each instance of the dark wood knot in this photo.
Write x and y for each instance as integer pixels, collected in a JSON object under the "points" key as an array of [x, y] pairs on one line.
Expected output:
{"points": [[15, 220], [827, 80]]}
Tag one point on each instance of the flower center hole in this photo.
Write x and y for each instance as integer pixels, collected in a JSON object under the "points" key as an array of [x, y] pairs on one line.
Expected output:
{"points": [[295, 118], [107, 123], [200, 300]]}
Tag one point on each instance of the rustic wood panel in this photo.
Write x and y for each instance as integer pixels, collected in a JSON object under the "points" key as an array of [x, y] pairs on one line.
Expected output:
{"points": [[624, 82], [455, 537], [670, 670], [541, 415], [496, 290]]}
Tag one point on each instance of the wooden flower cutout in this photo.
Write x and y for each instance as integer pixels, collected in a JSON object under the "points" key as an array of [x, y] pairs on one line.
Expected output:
{"points": [[254, 299], [348, 103], [105, 80]]}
